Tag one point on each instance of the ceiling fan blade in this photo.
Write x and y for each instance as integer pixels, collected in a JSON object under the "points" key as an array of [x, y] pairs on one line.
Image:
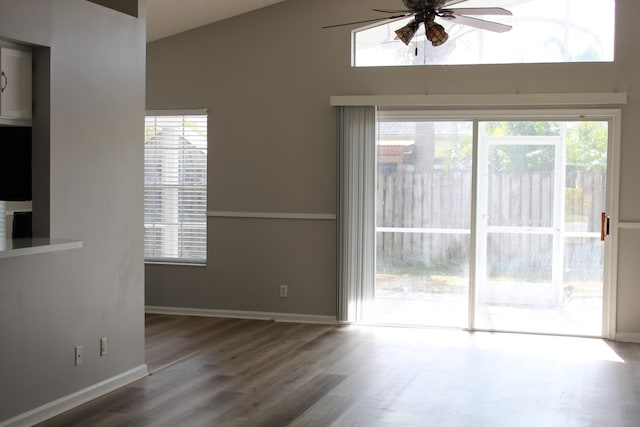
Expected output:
{"points": [[479, 23], [478, 11], [388, 18]]}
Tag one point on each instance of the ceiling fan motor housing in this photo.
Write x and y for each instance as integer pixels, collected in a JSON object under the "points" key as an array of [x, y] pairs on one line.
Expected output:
{"points": [[419, 5]]}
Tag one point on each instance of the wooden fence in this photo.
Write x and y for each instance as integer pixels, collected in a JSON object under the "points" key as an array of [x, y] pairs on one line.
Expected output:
{"points": [[431, 215]]}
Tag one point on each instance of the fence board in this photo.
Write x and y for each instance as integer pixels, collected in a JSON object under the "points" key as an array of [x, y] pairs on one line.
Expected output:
{"points": [[441, 199]]}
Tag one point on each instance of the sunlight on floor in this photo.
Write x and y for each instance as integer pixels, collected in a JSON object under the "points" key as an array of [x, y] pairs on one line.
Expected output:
{"points": [[555, 348], [451, 311], [558, 348]]}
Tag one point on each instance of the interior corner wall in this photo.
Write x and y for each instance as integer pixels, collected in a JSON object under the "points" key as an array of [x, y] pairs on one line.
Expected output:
{"points": [[130, 7], [266, 78], [41, 142], [92, 122]]}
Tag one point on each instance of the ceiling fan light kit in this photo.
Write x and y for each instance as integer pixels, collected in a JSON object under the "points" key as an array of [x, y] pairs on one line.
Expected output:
{"points": [[435, 33], [406, 33], [426, 11]]}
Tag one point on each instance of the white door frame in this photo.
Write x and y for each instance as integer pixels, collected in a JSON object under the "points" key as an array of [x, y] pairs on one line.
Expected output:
{"points": [[614, 117]]}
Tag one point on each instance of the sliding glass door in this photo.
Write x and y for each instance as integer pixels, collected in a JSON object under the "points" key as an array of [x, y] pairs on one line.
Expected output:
{"points": [[423, 217], [541, 192], [491, 225]]}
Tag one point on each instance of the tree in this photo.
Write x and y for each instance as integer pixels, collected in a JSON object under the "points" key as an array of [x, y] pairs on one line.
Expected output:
{"points": [[587, 146]]}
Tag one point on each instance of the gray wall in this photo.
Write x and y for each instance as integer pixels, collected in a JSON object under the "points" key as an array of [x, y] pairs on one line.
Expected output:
{"points": [[50, 303], [266, 78]]}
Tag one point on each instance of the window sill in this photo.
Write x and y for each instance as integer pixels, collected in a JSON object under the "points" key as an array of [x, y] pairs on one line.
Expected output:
{"points": [[176, 264]]}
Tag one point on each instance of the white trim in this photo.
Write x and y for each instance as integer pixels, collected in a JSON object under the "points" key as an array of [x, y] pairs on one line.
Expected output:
{"points": [[36, 245], [423, 230], [173, 262], [476, 263], [239, 314], [630, 225], [536, 114], [628, 337], [73, 400], [271, 215], [610, 303], [487, 100], [193, 112]]}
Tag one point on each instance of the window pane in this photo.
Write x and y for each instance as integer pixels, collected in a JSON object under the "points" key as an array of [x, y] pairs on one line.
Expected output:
{"points": [[543, 31], [423, 217], [516, 260], [521, 185], [541, 260]]}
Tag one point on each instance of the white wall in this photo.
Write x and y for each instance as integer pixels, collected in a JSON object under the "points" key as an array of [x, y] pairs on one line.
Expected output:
{"points": [[50, 303], [266, 78]]}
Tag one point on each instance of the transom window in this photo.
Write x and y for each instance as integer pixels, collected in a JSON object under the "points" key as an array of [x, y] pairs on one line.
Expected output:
{"points": [[175, 187], [543, 31]]}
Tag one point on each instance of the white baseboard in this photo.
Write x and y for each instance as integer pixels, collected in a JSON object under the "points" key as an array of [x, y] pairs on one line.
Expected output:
{"points": [[63, 404], [236, 314], [628, 337]]}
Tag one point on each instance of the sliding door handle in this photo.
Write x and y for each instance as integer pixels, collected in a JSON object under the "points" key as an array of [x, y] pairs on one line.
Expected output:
{"points": [[604, 226]]}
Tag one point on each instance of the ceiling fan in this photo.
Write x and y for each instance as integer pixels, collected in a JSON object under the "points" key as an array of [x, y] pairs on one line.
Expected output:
{"points": [[426, 11]]}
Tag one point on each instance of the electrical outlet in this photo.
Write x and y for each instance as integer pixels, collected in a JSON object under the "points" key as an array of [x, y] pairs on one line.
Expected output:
{"points": [[103, 346], [78, 354], [283, 291]]}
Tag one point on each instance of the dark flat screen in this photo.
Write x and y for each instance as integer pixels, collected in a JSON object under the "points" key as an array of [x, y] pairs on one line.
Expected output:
{"points": [[15, 163]]}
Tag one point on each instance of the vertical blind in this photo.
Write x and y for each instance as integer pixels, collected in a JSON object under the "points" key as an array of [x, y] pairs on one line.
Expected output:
{"points": [[356, 211], [175, 187]]}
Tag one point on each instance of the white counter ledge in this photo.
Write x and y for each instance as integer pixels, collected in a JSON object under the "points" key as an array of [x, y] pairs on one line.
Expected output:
{"points": [[10, 248]]}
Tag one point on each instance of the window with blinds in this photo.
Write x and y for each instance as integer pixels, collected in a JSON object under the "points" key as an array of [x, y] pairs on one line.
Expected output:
{"points": [[175, 187]]}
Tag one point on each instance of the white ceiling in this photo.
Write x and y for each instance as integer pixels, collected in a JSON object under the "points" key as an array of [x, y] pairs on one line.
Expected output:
{"points": [[168, 17]]}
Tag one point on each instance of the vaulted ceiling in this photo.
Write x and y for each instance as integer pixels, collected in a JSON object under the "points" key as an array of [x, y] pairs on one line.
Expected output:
{"points": [[168, 17]]}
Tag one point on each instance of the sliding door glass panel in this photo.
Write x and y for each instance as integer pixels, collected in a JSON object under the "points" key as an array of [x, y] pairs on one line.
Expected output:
{"points": [[541, 189], [423, 217], [585, 200]]}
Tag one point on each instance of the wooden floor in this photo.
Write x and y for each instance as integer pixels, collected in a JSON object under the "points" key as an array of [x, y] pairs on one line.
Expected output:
{"points": [[224, 372]]}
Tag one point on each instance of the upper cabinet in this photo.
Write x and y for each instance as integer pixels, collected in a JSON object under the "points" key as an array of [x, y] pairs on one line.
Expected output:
{"points": [[15, 83]]}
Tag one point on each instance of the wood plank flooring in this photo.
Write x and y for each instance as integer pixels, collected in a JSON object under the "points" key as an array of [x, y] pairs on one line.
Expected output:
{"points": [[230, 372]]}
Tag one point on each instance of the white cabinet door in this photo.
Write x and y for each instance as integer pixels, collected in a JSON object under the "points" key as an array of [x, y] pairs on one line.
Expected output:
{"points": [[15, 83]]}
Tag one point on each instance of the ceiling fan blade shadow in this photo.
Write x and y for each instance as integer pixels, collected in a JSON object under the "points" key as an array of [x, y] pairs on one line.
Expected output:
{"points": [[479, 23], [478, 11], [451, 3], [392, 11], [382, 20]]}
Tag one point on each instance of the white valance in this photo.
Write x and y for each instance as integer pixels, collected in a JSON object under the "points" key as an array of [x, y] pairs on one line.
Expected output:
{"points": [[485, 100]]}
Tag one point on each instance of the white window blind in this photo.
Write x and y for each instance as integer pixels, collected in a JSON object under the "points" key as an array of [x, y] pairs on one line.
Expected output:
{"points": [[175, 187], [3, 220]]}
